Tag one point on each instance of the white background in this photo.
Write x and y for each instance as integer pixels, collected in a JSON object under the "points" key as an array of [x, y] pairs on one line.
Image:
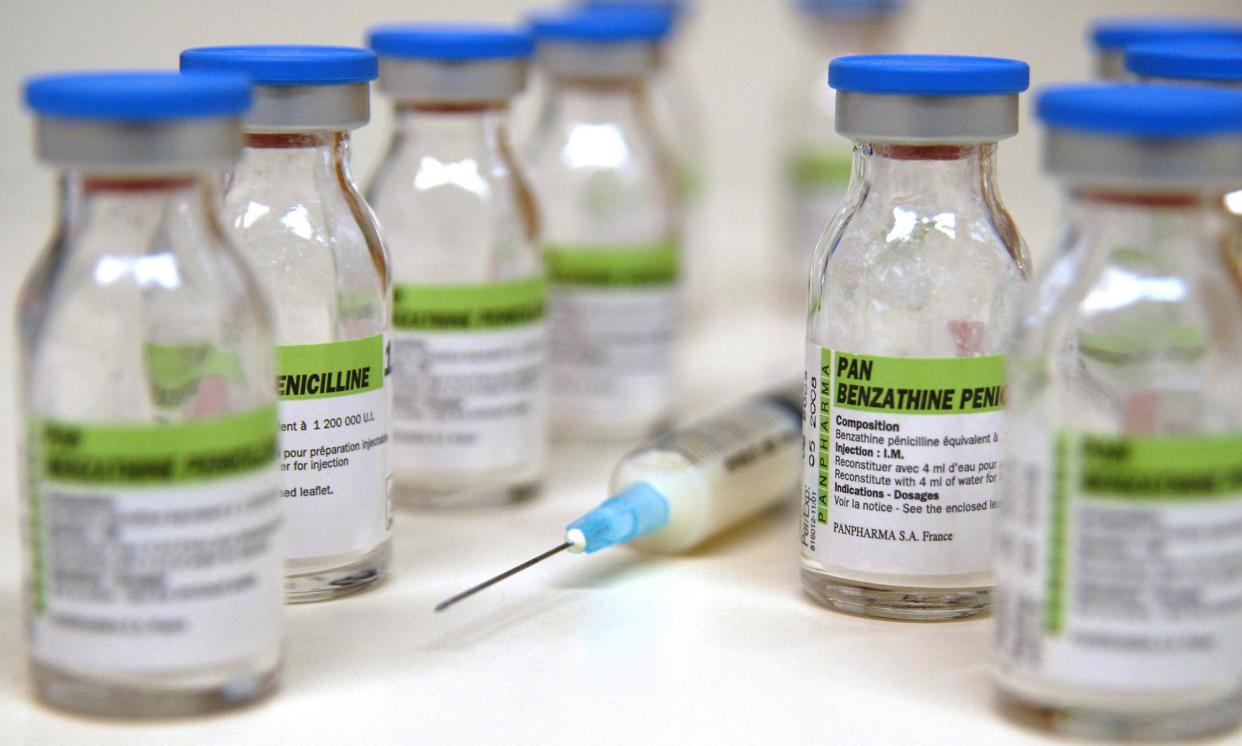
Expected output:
{"points": [[720, 646]]}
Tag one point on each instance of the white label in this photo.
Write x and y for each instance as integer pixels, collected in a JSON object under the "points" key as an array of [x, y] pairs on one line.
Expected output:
{"points": [[902, 464], [161, 579], [611, 351], [154, 547], [334, 422], [469, 402], [1117, 562]]}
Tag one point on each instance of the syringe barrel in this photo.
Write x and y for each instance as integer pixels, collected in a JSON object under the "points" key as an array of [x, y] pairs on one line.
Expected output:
{"points": [[720, 470]]}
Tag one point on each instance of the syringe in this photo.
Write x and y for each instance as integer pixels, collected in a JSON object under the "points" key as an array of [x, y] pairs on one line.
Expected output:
{"points": [[675, 492]]}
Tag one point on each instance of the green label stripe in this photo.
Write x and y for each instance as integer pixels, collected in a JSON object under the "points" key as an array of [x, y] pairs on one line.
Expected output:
{"points": [[447, 308], [331, 369], [908, 385], [612, 266], [825, 435], [1054, 611], [143, 455], [819, 169], [1181, 467]]}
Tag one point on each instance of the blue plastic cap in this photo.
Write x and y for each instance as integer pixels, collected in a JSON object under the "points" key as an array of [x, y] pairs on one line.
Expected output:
{"points": [[137, 96], [673, 12], [849, 9], [602, 25], [444, 42], [1134, 110], [286, 65], [1220, 61], [928, 75], [635, 511], [1119, 33]]}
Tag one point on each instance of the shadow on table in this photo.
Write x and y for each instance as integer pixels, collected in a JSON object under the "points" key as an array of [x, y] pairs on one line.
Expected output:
{"points": [[388, 632], [490, 620], [593, 571]]}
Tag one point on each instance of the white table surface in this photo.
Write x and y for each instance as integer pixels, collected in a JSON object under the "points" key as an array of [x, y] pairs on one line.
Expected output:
{"points": [[719, 646]]}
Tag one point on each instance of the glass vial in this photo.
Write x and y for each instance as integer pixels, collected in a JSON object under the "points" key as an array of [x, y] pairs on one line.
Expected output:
{"points": [[151, 518], [1217, 64], [912, 294], [679, 119], [816, 163], [610, 226], [1118, 581], [292, 208], [468, 352], [1112, 36]]}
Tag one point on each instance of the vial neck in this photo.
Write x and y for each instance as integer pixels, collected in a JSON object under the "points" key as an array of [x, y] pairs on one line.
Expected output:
{"points": [[934, 176], [1167, 223], [128, 214], [946, 188], [596, 101], [290, 159], [453, 130]]}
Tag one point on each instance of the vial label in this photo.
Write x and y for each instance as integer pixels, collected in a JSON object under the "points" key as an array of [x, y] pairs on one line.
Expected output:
{"points": [[613, 315], [468, 366], [334, 413], [1117, 562], [819, 181], [902, 466], [154, 547]]}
